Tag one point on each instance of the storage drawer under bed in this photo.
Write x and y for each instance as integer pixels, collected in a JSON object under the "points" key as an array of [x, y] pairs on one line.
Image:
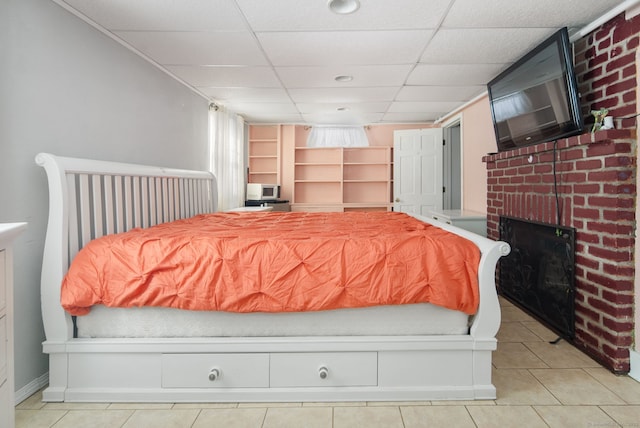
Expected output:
{"points": [[317, 369], [276, 370], [215, 370]]}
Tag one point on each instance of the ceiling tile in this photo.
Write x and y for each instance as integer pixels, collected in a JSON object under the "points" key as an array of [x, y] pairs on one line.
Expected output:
{"points": [[454, 74], [439, 93], [482, 45], [202, 76], [344, 47], [342, 95], [363, 75], [423, 106], [331, 108], [197, 48], [299, 15], [525, 13], [163, 15], [249, 95]]}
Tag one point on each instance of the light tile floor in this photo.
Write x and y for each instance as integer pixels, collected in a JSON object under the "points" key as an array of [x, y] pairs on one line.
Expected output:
{"points": [[539, 385]]}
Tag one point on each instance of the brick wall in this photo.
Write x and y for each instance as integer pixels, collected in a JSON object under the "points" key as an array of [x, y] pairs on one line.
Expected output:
{"points": [[605, 65], [596, 194]]}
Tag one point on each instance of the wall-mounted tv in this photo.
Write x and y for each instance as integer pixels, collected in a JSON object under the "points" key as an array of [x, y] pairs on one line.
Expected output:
{"points": [[536, 99]]}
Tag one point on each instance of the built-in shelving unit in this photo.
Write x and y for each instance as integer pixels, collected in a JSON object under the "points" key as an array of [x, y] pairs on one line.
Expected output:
{"points": [[342, 179], [264, 154]]}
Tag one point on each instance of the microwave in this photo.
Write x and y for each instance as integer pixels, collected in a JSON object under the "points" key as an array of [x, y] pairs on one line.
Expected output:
{"points": [[261, 192]]}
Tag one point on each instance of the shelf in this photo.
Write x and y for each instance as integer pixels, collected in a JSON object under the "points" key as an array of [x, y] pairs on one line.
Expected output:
{"points": [[350, 178], [264, 154], [318, 181], [318, 192], [340, 207], [308, 155]]}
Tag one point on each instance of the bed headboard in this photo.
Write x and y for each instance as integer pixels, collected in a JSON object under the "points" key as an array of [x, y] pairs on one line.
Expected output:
{"points": [[89, 199]]}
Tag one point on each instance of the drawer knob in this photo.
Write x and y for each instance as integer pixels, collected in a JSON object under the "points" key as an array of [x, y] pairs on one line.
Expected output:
{"points": [[323, 372], [214, 374]]}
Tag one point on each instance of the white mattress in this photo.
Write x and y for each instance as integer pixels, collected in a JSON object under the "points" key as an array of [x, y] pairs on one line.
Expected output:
{"points": [[415, 319]]}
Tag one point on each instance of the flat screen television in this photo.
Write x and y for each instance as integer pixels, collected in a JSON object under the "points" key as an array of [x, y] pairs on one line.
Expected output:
{"points": [[536, 99]]}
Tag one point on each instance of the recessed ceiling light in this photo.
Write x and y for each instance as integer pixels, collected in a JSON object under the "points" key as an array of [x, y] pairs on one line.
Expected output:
{"points": [[343, 7], [343, 78]]}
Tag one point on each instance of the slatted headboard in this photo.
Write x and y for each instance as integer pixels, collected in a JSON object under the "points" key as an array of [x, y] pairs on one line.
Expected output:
{"points": [[89, 198]]}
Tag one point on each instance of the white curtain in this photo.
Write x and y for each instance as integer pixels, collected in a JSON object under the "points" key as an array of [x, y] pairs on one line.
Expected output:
{"points": [[337, 136], [227, 156]]}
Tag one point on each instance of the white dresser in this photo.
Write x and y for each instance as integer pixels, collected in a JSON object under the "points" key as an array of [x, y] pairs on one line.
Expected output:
{"points": [[465, 219], [8, 232]]}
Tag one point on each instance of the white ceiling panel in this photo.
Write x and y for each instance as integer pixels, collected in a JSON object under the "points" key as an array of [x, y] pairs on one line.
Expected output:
{"points": [[227, 95], [454, 74], [363, 76], [344, 47], [163, 15], [422, 106], [297, 15], [199, 48], [525, 13], [439, 93], [343, 95], [275, 61], [331, 108], [479, 45], [253, 77]]}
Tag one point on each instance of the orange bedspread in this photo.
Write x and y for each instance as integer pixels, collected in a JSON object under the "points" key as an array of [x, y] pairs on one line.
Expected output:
{"points": [[276, 262]]}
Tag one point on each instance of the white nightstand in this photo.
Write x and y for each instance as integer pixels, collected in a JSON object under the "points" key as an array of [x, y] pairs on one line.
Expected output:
{"points": [[8, 232], [468, 220]]}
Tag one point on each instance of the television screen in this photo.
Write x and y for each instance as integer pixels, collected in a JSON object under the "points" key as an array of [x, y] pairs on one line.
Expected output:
{"points": [[536, 99]]}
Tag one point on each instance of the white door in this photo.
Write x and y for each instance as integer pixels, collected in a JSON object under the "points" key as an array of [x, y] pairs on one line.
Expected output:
{"points": [[417, 170]]}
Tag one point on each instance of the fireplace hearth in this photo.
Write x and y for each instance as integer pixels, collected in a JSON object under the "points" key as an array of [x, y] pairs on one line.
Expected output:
{"points": [[539, 275]]}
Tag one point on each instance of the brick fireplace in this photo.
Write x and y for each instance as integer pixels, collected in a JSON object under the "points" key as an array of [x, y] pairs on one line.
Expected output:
{"points": [[595, 176], [593, 190]]}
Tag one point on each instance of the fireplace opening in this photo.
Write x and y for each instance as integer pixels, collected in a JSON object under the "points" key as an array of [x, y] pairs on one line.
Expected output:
{"points": [[539, 275]]}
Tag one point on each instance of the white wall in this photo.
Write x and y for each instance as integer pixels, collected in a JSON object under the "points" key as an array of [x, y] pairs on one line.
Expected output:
{"points": [[70, 90]]}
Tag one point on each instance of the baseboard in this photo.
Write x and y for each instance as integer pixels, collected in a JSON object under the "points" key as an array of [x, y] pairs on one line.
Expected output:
{"points": [[634, 372], [31, 388]]}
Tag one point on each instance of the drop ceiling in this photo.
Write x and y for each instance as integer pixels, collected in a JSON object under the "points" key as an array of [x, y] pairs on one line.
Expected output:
{"points": [[275, 61]]}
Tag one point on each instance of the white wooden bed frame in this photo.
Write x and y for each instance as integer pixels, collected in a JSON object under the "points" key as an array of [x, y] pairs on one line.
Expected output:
{"points": [[89, 198]]}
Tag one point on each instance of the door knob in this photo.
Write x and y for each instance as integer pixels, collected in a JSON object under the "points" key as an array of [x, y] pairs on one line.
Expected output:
{"points": [[397, 199]]}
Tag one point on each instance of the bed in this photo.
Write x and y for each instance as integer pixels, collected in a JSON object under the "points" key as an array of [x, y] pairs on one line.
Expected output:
{"points": [[389, 352]]}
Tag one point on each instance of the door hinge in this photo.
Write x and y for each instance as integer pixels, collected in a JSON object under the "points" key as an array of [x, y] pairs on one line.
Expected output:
{"points": [[444, 189], [444, 142]]}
